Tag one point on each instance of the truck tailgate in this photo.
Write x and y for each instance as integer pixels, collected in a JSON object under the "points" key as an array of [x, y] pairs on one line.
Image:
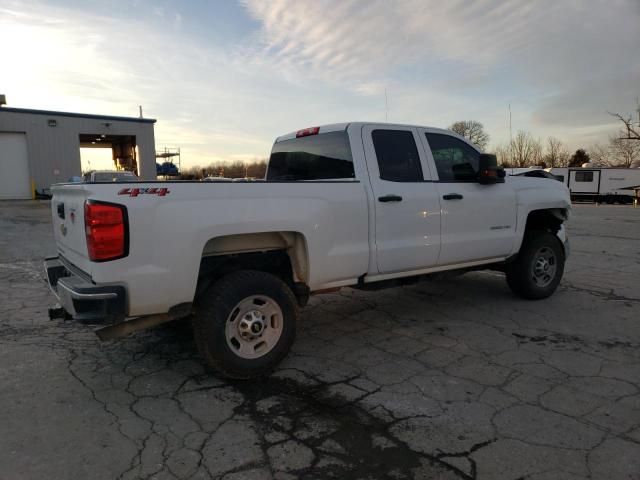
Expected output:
{"points": [[67, 210]]}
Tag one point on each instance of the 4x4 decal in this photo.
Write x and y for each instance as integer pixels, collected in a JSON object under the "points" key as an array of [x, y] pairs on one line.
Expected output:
{"points": [[134, 192]]}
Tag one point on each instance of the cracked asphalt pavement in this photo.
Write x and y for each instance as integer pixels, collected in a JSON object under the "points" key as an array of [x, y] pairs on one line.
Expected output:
{"points": [[453, 378]]}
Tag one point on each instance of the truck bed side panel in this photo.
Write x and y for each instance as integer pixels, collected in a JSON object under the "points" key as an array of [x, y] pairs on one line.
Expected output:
{"points": [[168, 233]]}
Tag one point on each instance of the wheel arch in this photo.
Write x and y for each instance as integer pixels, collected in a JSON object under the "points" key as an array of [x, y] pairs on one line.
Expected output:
{"points": [[282, 253], [550, 219], [547, 219]]}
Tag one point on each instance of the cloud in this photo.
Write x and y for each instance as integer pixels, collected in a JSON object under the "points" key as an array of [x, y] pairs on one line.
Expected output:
{"points": [[349, 38], [370, 88], [572, 60], [62, 59], [561, 65]]}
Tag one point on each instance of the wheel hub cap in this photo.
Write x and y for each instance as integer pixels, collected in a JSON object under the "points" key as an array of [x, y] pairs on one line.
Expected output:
{"points": [[254, 326], [251, 325], [544, 267]]}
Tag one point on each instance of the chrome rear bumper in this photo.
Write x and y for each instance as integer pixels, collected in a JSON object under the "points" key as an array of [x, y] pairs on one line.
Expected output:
{"points": [[83, 300]]}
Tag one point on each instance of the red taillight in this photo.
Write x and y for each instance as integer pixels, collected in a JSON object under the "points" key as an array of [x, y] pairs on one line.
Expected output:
{"points": [[307, 131], [106, 230]]}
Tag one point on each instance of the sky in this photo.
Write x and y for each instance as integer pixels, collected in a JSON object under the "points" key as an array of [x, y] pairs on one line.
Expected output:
{"points": [[224, 78]]}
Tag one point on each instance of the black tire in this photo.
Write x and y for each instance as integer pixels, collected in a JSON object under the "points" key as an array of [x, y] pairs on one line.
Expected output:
{"points": [[523, 278], [214, 310]]}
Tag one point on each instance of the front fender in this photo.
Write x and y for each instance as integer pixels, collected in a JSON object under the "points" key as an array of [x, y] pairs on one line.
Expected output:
{"points": [[540, 194], [564, 239]]}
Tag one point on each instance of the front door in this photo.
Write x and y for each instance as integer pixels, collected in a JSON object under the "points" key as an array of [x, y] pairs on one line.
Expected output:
{"points": [[478, 221], [407, 208]]}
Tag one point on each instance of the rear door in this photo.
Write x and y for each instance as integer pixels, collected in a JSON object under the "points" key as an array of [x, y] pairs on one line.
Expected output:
{"points": [[407, 208], [584, 181], [478, 221]]}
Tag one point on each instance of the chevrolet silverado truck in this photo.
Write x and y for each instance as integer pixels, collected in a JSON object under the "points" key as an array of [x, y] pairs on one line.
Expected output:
{"points": [[360, 205]]}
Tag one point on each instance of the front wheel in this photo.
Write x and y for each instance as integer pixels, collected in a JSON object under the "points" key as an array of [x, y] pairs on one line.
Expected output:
{"points": [[245, 323], [538, 269]]}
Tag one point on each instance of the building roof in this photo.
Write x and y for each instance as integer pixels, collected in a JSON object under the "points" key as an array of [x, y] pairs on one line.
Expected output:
{"points": [[76, 115]]}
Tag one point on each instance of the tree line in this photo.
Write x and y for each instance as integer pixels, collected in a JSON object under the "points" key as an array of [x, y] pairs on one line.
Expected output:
{"points": [[525, 150], [235, 169]]}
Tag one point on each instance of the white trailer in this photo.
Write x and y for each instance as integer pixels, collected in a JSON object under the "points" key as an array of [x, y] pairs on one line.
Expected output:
{"points": [[600, 184]]}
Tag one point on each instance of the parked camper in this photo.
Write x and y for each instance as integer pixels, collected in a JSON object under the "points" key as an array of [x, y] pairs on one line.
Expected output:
{"points": [[602, 185]]}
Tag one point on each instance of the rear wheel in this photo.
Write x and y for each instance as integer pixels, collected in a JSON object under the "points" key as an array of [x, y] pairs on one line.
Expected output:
{"points": [[245, 323], [538, 269]]}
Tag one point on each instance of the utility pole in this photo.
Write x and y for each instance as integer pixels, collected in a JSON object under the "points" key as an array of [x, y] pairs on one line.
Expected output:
{"points": [[510, 131], [510, 137], [386, 105]]}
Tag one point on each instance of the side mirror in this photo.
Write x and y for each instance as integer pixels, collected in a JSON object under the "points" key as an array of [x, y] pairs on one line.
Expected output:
{"points": [[488, 170]]}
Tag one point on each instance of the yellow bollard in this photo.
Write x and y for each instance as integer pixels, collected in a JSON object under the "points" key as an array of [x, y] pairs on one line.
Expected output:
{"points": [[33, 189]]}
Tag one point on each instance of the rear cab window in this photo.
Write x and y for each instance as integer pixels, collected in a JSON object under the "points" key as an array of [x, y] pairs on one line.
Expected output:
{"points": [[324, 156]]}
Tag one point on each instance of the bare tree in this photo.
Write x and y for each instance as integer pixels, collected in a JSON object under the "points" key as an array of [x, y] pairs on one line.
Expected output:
{"points": [[525, 150], [556, 155], [624, 152], [472, 130], [600, 155], [503, 154], [619, 152], [229, 169], [537, 154], [631, 131]]}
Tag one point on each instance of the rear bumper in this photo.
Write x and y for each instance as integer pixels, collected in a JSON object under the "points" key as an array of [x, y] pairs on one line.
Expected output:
{"points": [[83, 300]]}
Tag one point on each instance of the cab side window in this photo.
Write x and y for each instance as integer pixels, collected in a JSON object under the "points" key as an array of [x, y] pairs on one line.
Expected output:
{"points": [[455, 160], [398, 159]]}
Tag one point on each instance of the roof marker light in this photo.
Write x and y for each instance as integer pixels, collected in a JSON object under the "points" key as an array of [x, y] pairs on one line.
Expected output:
{"points": [[305, 132]]}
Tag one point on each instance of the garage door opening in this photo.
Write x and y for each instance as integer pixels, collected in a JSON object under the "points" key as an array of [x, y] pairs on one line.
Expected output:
{"points": [[96, 159], [108, 152]]}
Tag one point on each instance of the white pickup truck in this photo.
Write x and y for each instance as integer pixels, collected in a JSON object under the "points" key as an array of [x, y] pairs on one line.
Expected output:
{"points": [[359, 205]]}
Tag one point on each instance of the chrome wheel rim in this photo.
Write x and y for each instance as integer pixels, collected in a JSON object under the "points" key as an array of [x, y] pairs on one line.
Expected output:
{"points": [[254, 327], [545, 265]]}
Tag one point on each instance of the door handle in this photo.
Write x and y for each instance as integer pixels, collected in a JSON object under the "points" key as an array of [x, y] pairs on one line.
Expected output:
{"points": [[452, 196], [390, 198]]}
